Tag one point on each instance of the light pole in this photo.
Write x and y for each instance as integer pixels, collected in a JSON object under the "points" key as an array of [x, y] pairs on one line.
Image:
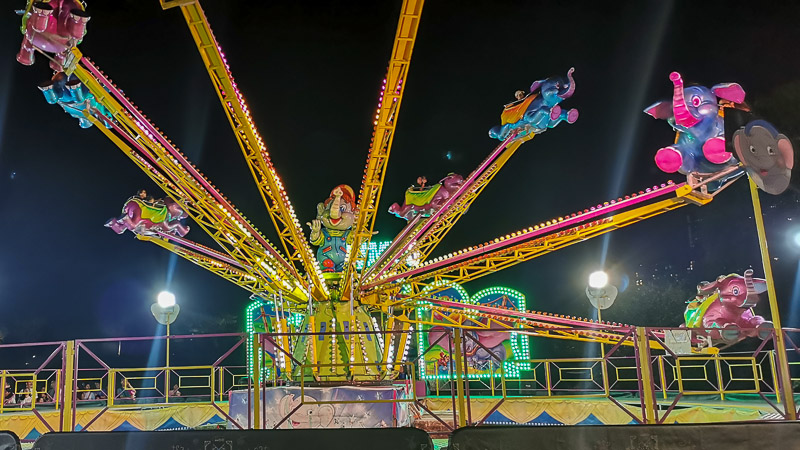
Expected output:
{"points": [[166, 310], [601, 295], [784, 376]]}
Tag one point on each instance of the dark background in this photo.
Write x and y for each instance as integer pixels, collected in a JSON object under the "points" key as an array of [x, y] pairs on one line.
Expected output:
{"points": [[311, 71]]}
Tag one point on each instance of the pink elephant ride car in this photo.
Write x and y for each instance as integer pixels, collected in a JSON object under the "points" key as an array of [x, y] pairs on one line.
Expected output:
{"points": [[142, 217], [55, 26], [723, 308], [426, 200]]}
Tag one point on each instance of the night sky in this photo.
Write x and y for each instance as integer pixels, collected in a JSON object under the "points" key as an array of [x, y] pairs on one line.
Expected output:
{"points": [[311, 71]]}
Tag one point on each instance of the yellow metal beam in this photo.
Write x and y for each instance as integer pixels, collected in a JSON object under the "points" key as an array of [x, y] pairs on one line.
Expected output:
{"points": [[457, 318], [427, 242], [462, 405], [256, 380], [239, 277], [460, 273], [270, 186], [646, 372], [67, 420], [188, 189], [383, 135], [785, 378]]}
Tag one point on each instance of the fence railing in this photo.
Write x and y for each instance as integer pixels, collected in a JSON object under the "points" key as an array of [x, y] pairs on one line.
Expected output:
{"points": [[647, 373]]}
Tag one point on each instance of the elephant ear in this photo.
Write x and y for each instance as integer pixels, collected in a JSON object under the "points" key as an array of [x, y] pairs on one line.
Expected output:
{"points": [[660, 110], [786, 151], [284, 404], [729, 91], [706, 288], [320, 209], [536, 85], [760, 285], [326, 415], [740, 139]]}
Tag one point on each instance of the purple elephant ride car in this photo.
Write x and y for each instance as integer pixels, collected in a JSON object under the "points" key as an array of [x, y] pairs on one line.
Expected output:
{"points": [[426, 200], [694, 113], [723, 308], [143, 217]]}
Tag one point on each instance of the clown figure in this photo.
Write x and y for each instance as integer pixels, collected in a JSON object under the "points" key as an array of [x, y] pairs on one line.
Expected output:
{"points": [[330, 231]]}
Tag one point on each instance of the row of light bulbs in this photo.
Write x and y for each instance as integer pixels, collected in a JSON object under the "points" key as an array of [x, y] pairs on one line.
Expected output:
{"points": [[183, 165], [300, 241], [531, 229]]}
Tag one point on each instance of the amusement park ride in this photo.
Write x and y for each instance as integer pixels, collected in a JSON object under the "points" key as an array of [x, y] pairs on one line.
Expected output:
{"points": [[336, 288]]}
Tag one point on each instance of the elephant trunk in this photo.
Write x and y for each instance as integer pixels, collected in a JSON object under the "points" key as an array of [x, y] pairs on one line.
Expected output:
{"points": [[679, 109], [335, 212], [571, 89], [752, 295]]}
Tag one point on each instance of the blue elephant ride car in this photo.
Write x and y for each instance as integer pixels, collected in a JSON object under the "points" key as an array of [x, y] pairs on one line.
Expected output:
{"points": [[537, 111]]}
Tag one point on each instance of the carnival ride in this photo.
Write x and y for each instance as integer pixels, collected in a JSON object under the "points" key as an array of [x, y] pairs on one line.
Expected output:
{"points": [[336, 289]]}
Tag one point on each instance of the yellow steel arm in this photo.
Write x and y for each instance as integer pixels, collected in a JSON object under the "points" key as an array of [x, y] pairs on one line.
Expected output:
{"points": [[383, 135], [440, 279], [255, 152], [239, 277], [185, 185], [425, 243], [456, 318]]}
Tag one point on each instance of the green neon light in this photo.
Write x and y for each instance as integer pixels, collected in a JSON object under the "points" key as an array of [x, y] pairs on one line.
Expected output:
{"points": [[249, 320], [520, 346], [293, 320], [373, 252]]}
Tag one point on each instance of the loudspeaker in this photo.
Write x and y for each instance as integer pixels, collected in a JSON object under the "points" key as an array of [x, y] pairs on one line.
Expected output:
{"points": [[9, 441], [324, 439], [724, 436]]}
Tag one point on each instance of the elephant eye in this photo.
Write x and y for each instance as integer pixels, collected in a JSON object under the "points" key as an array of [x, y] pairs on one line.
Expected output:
{"points": [[752, 150], [770, 150], [735, 291], [695, 100]]}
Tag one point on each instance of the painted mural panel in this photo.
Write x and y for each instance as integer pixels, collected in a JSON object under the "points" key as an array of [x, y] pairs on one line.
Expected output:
{"points": [[363, 409]]}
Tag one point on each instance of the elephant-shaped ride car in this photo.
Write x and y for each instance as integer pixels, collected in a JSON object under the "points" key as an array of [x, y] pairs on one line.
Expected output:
{"points": [[537, 111], [694, 113], [767, 155], [426, 200], [722, 308], [486, 356], [53, 26], [73, 97], [147, 217]]}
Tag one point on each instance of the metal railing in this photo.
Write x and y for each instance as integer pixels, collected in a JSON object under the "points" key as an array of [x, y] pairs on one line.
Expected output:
{"points": [[643, 373]]}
